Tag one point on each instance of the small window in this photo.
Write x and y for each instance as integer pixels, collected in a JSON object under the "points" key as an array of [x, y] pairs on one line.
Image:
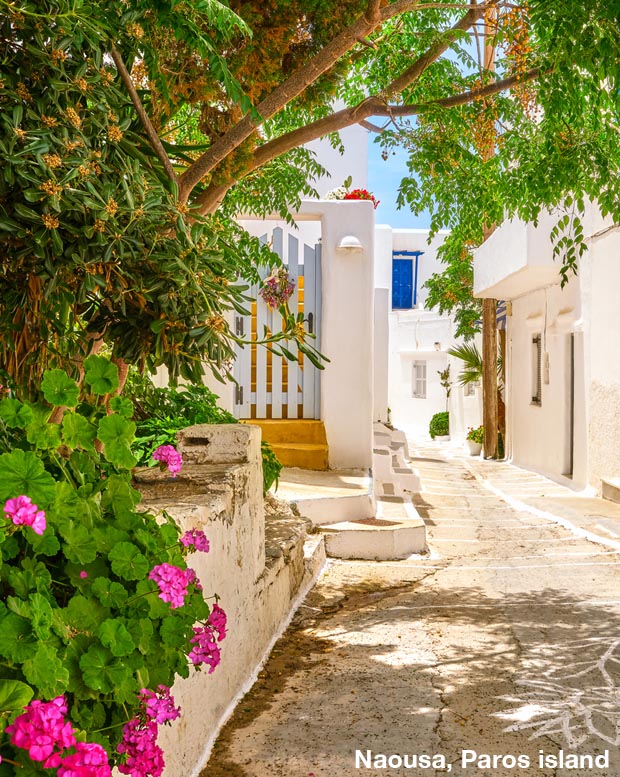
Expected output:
{"points": [[537, 370], [418, 380], [469, 389]]}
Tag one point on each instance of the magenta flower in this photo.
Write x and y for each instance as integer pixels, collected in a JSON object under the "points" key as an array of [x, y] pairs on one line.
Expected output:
{"points": [[159, 704], [196, 540], [205, 650], [145, 758], [217, 620], [89, 760], [23, 512], [169, 455], [42, 729], [83, 574], [173, 583]]}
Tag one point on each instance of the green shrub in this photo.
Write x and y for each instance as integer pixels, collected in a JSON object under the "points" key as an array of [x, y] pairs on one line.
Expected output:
{"points": [[439, 425], [84, 612], [161, 412]]}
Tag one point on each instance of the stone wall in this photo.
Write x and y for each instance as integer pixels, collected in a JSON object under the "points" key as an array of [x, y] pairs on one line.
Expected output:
{"points": [[257, 573]]}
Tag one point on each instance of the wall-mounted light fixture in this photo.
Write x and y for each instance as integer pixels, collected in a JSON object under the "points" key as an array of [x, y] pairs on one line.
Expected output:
{"points": [[350, 245], [437, 346]]}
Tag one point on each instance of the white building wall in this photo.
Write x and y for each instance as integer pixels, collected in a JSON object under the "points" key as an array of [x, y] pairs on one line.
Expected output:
{"points": [[419, 335], [603, 337], [353, 162], [586, 312]]}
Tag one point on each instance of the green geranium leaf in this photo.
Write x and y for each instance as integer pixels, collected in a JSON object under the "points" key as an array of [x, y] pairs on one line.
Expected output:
{"points": [[33, 576], [17, 642], [77, 432], [46, 672], [119, 495], [45, 544], [109, 592], [122, 406], [15, 414], [21, 472], [85, 614], [117, 434], [142, 631], [41, 615], [59, 389], [80, 545], [114, 635], [40, 432], [102, 671], [172, 632], [128, 562], [14, 695], [101, 375]]}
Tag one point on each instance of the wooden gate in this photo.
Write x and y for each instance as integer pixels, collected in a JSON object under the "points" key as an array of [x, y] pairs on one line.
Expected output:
{"points": [[269, 386]]}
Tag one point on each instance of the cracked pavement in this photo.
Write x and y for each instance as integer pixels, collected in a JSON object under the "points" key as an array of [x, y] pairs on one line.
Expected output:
{"points": [[503, 640]]}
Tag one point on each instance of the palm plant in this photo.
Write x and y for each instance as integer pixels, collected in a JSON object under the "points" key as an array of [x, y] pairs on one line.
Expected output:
{"points": [[471, 357]]}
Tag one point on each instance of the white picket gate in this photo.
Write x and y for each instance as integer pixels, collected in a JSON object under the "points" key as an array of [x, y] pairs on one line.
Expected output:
{"points": [[269, 386]]}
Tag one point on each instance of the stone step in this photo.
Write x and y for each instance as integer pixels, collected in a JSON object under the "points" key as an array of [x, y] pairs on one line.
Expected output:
{"points": [[396, 532], [282, 430], [302, 455]]}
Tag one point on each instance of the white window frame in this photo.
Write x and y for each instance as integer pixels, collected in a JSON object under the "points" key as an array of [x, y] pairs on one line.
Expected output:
{"points": [[418, 380]]}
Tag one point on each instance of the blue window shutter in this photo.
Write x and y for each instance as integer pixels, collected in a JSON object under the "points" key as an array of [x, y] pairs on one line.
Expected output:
{"points": [[402, 283]]}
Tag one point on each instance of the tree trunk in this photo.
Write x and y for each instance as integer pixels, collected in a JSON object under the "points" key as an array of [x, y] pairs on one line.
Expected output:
{"points": [[489, 377]]}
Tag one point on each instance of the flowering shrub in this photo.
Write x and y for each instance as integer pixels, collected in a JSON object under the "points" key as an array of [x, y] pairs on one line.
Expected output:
{"points": [[361, 194], [343, 193], [99, 611], [277, 288], [476, 435]]}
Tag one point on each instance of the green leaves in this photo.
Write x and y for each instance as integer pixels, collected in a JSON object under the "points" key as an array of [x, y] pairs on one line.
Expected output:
{"points": [[100, 374], [22, 472], [128, 562], [14, 695], [78, 432], [46, 672], [15, 414], [117, 434], [114, 635], [59, 389], [102, 671]]}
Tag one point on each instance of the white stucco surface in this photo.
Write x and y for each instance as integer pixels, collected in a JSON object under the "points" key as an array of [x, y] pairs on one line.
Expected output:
{"points": [[586, 312], [516, 259]]}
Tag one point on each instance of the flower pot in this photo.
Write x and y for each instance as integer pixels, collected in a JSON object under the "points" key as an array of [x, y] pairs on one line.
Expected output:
{"points": [[442, 437], [474, 447]]}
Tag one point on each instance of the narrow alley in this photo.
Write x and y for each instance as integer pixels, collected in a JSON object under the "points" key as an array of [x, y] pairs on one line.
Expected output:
{"points": [[504, 640]]}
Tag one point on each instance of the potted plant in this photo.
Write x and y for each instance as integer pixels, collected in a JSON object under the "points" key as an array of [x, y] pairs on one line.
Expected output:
{"points": [[474, 440], [439, 427]]}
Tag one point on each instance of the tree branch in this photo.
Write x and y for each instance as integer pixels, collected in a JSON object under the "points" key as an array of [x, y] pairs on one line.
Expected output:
{"points": [[290, 89], [151, 134], [372, 106]]}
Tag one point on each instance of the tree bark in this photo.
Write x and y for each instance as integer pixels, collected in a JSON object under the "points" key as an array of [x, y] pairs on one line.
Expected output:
{"points": [[489, 377]]}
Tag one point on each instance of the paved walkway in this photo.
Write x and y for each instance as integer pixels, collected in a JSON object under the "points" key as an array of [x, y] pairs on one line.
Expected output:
{"points": [[497, 654]]}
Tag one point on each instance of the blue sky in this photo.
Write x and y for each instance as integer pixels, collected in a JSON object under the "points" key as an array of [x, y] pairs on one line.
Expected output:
{"points": [[384, 177]]}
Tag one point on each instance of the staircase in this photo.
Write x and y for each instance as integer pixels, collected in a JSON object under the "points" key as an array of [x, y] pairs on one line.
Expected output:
{"points": [[296, 442]]}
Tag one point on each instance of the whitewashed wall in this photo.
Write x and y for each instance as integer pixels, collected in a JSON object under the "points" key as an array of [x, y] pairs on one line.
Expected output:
{"points": [[602, 318], [419, 335]]}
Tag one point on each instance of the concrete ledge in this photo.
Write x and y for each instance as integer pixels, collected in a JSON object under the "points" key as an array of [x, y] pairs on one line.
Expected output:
{"points": [[611, 489], [375, 539]]}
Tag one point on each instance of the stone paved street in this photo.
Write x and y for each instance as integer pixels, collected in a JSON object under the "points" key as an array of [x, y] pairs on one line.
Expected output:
{"points": [[503, 640]]}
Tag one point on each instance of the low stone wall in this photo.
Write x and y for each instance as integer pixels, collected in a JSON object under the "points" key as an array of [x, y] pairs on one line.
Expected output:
{"points": [[220, 492]]}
